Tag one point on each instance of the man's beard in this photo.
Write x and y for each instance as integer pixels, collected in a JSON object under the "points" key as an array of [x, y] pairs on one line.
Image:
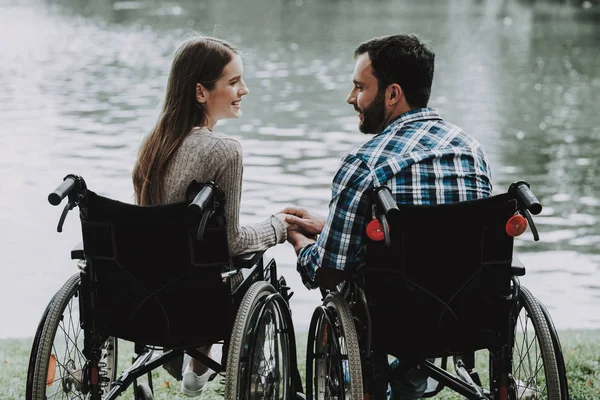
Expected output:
{"points": [[374, 115]]}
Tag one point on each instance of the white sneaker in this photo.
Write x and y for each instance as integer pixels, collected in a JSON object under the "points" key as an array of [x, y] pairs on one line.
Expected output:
{"points": [[192, 385]]}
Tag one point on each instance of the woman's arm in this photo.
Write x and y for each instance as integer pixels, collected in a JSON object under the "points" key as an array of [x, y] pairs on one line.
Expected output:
{"points": [[242, 239]]}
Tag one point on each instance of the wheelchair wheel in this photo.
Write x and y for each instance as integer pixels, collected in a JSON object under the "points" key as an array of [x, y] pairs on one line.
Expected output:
{"points": [[259, 356], [560, 360], [333, 365], [60, 369], [534, 368], [34, 351]]}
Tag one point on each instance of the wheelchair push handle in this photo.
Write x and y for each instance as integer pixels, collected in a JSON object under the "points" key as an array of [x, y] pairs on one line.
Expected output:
{"points": [[525, 196], [73, 186], [385, 201], [386, 210], [203, 205], [62, 190], [203, 200]]}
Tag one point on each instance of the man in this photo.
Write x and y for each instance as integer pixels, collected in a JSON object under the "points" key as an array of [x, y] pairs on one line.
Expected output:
{"points": [[420, 157]]}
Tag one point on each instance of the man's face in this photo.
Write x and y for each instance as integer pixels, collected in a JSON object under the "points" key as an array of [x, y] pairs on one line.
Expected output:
{"points": [[365, 97]]}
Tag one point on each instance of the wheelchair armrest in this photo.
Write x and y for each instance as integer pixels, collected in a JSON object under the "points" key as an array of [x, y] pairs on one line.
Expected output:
{"points": [[517, 268], [247, 260], [329, 278], [77, 252]]}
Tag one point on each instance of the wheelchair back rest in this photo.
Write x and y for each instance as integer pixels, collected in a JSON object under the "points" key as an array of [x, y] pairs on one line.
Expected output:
{"points": [[147, 265], [448, 266]]}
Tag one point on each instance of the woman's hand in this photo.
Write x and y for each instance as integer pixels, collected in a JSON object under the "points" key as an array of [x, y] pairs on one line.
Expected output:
{"points": [[283, 218]]}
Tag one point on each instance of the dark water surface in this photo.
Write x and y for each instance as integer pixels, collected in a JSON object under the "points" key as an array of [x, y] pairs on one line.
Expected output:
{"points": [[81, 83]]}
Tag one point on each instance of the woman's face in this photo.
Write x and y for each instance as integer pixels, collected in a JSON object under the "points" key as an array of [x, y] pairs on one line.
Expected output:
{"points": [[223, 101]]}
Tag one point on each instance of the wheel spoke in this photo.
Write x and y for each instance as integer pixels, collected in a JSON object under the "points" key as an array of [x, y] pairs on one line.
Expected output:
{"points": [[529, 369], [68, 339], [59, 367]]}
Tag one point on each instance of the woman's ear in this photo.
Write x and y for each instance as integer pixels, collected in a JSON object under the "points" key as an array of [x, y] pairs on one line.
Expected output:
{"points": [[200, 93]]}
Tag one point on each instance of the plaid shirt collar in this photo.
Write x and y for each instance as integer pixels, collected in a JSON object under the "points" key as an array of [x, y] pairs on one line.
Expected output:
{"points": [[417, 114]]}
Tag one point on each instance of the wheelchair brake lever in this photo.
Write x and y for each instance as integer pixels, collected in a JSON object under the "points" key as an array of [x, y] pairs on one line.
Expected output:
{"points": [[68, 207], [529, 218], [385, 227], [202, 225]]}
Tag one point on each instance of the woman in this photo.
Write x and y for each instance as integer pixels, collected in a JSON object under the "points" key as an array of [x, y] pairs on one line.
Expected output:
{"points": [[205, 85]]}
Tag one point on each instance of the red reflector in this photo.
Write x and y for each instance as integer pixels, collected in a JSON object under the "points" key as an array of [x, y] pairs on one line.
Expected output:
{"points": [[51, 370], [516, 225], [375, 230]]}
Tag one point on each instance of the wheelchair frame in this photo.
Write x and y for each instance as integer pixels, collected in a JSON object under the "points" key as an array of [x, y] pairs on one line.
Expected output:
{"points": [[344, 293], [260, 292]]}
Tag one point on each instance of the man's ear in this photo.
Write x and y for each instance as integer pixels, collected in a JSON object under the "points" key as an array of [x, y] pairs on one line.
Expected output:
{"points": [[394, 94], [200, 93]]}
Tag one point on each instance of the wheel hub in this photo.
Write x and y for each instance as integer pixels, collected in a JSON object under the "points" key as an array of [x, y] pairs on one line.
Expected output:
{"points": [[73, 379]]}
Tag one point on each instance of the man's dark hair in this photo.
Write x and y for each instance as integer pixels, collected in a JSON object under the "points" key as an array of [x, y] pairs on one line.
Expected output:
{"points": [[404, 60]]}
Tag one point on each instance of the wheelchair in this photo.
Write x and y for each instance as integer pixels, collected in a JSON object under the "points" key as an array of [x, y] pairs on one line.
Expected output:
{"points": [[440, 282], [162, 278]]}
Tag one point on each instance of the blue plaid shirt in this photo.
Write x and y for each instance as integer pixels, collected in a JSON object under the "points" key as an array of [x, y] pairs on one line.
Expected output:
{"points": [[421, 158]]}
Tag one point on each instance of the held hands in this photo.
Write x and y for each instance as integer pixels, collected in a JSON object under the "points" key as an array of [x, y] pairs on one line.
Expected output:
{"points": [[302, 226], [311, 224]]}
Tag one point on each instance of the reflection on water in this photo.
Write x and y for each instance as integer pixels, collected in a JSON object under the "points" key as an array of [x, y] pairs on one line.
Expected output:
{"points": [[81, 82]]}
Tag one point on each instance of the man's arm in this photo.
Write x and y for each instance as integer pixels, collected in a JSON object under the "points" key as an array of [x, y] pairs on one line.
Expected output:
{"points": [[340, 242]]}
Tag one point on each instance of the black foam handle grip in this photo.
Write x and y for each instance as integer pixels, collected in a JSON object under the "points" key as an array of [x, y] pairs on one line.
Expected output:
{"points": [[203, 200], [526, 196], [385, 201], [61, 191]]}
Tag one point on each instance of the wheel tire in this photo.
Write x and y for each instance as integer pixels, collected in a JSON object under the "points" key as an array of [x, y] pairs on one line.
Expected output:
{"points": [[560, 360], [58, 353], [143, 392], [248, 375], [350, 362], [523, 374], [34, 351]]}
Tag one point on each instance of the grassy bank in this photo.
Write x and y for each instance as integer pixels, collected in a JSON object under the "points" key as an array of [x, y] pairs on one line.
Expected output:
{"points": [[581, 350]]}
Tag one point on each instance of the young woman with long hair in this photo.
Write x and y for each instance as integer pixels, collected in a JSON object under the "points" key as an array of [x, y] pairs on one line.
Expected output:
{"points": [[205, 85]]}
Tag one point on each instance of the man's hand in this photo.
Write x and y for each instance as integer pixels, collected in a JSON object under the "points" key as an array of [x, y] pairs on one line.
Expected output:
{"points": [[298, 239], [310, 224]]}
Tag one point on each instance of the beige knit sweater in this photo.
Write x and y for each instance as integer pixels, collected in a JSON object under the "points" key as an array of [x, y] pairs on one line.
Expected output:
{"points": [[210, 156]]}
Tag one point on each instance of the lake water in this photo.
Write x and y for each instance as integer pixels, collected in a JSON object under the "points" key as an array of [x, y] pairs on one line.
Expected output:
{"points": [[81, 83]]}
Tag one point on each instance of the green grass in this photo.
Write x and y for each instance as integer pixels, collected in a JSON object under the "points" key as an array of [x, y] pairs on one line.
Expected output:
{"points": [[581, 350]]}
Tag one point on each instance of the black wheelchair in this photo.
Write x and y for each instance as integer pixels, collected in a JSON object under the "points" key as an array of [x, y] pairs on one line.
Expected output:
{"points": [[162, 278], [439, 283]]}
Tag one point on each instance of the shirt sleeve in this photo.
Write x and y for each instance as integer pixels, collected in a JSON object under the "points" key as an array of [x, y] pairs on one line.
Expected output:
{"points": [[340, 243], [248, 238]]}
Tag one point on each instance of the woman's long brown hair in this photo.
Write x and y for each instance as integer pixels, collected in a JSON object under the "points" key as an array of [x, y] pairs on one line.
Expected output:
{"points": [[197, 60]]}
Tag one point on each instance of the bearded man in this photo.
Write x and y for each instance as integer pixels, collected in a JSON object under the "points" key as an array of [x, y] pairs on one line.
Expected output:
{"points": [[419, 156]]}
